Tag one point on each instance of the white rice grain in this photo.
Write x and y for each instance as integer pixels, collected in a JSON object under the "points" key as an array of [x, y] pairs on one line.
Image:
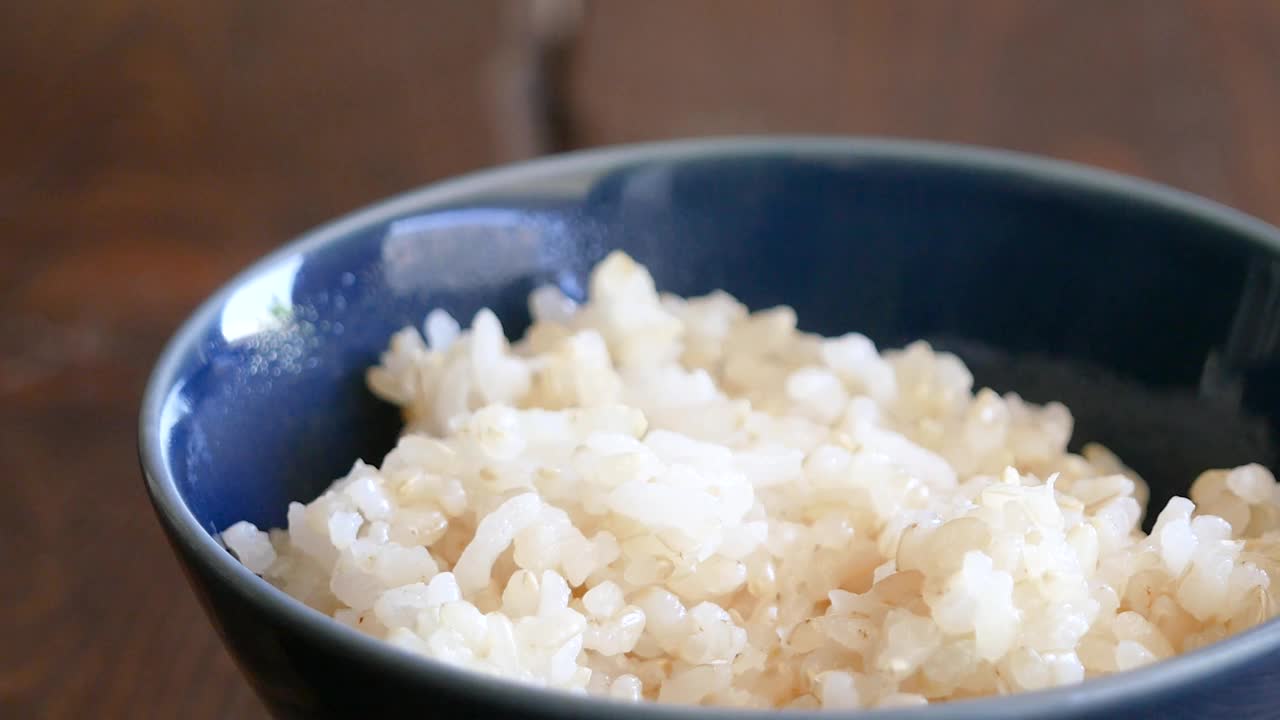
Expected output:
{"points": [[656, 498]]}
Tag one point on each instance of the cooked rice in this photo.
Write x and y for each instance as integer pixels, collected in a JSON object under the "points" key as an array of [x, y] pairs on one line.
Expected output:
{"points": [[653, 498]]}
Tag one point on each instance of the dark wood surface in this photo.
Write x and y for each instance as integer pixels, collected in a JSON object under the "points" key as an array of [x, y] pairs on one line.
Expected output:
{"points": [[149, 149]]}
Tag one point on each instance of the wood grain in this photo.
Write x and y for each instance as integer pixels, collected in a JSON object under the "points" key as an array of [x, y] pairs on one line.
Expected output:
{"points": [[148, 149], [1187, 93]]}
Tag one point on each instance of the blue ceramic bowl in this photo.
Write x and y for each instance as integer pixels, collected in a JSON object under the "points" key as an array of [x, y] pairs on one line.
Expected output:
{"points": [[1153, 314]]}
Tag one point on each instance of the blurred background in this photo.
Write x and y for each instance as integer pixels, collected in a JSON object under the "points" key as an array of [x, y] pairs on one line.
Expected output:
{"points": [[149, 149]]}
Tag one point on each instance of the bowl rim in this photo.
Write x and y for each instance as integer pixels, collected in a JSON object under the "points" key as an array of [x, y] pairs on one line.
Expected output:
{"points": [[1112, 692]]}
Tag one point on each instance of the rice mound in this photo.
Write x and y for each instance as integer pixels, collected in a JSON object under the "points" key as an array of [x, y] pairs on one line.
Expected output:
{"points": [[653, 498]]}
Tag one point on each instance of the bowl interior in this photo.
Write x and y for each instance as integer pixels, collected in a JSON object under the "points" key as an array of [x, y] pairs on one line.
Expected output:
{"points": [[1151, 315]]}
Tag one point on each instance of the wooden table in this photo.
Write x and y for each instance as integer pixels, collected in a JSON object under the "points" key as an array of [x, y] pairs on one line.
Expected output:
{"points": [[149, 149]]}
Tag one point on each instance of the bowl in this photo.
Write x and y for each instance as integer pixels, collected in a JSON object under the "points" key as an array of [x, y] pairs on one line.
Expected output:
{"points": [[1151, 313]]}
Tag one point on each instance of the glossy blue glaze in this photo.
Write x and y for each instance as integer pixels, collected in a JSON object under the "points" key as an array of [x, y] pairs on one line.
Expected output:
{"points": [[1151, 313]]}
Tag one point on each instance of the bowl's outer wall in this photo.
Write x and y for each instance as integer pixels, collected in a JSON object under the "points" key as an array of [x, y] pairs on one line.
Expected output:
{"points": [[1155, 327]]}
